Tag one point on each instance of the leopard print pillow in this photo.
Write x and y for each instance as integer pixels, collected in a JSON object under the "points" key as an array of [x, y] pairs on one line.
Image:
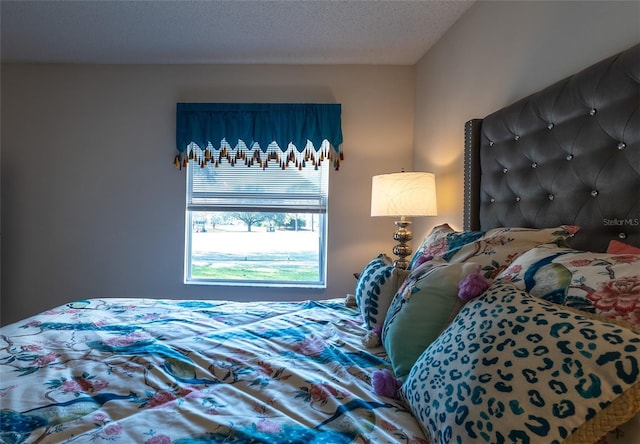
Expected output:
{"points": [[515, 368]]}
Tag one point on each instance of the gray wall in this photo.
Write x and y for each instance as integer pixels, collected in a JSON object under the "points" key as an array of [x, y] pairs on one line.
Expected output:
{"points": [[496, 53], [93, 207]]}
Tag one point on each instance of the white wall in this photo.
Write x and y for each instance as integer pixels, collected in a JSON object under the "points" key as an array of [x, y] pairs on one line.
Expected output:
{"points": [[497, 53], [93, 207]]}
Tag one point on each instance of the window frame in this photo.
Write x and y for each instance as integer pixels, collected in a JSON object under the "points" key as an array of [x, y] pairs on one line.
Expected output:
{"points": [[322, 230]]}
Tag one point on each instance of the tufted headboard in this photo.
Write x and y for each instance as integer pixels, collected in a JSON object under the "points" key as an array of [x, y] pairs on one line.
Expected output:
{"points": [[569, 154]]}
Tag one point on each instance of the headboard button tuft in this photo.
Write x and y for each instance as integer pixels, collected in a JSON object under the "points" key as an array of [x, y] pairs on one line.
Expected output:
{"points": [[573, 137]]}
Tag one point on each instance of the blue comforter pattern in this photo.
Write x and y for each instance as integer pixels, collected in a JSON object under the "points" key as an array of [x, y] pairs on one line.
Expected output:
{"points": [[170, 371]]}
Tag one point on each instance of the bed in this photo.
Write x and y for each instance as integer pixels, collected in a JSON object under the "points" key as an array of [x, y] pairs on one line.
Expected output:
{"points": [[523, 327]]}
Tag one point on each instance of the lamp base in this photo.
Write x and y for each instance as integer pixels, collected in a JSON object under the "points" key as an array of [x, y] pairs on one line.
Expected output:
{"points": [[402, 249]]}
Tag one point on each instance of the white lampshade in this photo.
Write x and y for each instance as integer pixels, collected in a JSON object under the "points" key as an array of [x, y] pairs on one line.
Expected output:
{"points": [[404, 194]]}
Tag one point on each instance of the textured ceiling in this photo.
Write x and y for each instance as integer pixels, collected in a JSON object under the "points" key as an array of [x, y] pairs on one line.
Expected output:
{"points": [[224, 31]]}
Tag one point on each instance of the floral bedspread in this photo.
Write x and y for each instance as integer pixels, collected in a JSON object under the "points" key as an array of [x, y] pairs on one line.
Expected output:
{"points": [[162, 371]]}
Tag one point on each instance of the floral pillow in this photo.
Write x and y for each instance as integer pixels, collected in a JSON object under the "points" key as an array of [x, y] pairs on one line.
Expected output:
{"points": [[602, 283], [423, 306], [494, 249], [515, 368], [376, 286], [618, 247], [435, 243]]}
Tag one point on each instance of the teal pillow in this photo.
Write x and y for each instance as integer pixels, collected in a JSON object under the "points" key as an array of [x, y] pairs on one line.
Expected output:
{"points": [[421, 309], [377, 283]]}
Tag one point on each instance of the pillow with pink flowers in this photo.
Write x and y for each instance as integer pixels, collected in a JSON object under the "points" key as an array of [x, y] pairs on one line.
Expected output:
{"points": [[433, 244], [620, 247], [494, 250], [602, 283]]}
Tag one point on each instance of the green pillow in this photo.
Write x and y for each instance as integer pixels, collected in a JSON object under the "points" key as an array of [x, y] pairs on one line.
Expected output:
{"points": [[424, 305]]}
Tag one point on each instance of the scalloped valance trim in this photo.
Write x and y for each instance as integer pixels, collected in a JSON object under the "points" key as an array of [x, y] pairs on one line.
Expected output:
{"points": [[285, 134]]}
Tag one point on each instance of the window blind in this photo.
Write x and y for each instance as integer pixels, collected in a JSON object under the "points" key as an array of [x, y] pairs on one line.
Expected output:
{"points": [[239, 188]]}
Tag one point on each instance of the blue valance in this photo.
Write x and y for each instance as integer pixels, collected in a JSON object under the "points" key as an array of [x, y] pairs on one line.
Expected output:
{"points": [[282, 132]]}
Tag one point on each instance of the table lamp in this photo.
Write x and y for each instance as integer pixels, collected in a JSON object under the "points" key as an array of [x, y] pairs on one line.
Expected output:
{"points": [[406, 194]]}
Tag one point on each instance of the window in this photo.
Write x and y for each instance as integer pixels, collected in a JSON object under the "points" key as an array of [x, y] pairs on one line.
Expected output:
{"points": [[264, 225], [256, 226]]}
